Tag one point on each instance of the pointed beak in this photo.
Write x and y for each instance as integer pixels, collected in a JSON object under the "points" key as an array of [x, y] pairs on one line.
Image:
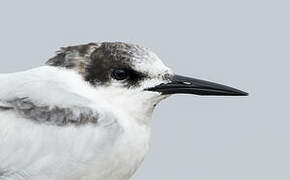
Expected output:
{"points": [[185, 85]]}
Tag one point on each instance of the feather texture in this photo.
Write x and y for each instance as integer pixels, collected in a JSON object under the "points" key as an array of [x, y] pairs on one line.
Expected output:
{"points": [[41, 111]]}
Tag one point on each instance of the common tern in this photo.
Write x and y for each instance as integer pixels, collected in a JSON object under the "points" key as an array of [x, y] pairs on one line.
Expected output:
{"points": [[85, 114]]}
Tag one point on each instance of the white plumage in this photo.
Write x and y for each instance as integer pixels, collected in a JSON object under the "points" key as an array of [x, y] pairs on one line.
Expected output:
{"points": [[52, 149], [111, 149], [86, 115]]}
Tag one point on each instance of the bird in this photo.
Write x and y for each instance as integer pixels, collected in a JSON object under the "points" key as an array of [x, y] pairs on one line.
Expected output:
{"points": [[85, 114]]}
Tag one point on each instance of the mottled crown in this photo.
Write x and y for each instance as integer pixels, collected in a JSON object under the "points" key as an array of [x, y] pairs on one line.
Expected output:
{"points": [[72, 56], [95, 60]]}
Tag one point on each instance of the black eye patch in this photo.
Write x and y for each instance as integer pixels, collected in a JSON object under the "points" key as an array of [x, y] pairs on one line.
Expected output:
{"points": [[129, 76], [134, 78]]}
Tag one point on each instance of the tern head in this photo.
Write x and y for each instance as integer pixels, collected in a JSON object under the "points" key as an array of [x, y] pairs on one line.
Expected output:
{"points": [[131, 75]]}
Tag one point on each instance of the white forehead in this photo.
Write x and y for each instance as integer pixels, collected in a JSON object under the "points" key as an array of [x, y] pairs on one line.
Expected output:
{"points": [[148, 62]]}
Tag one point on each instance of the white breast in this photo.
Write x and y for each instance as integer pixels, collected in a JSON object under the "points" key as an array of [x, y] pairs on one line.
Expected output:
{"points": [[33, 151]]}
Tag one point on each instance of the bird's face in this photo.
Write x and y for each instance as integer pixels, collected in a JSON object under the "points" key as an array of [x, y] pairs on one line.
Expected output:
{"points": [[127, 74], [119, 71]]}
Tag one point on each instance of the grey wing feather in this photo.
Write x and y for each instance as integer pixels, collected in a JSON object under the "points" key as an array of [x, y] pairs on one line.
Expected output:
{"points": [[47, 95], [54, 115], [5, 106]]}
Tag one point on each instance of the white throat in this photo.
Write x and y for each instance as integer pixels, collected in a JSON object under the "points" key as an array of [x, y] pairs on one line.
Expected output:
{"points": [[131, 103]]}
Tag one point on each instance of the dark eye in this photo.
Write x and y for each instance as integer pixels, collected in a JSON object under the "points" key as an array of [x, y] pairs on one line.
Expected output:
{"points": [[120, 74]]}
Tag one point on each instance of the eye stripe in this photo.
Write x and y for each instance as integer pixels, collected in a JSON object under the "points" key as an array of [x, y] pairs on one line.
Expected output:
{"points": [[135, 78]]}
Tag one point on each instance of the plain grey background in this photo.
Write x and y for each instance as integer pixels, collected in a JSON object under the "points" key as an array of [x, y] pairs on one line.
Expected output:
{"points": [[242, 43]]}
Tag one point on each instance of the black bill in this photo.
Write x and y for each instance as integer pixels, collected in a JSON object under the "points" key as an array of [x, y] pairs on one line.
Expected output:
{"points": [[186, 85]]}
